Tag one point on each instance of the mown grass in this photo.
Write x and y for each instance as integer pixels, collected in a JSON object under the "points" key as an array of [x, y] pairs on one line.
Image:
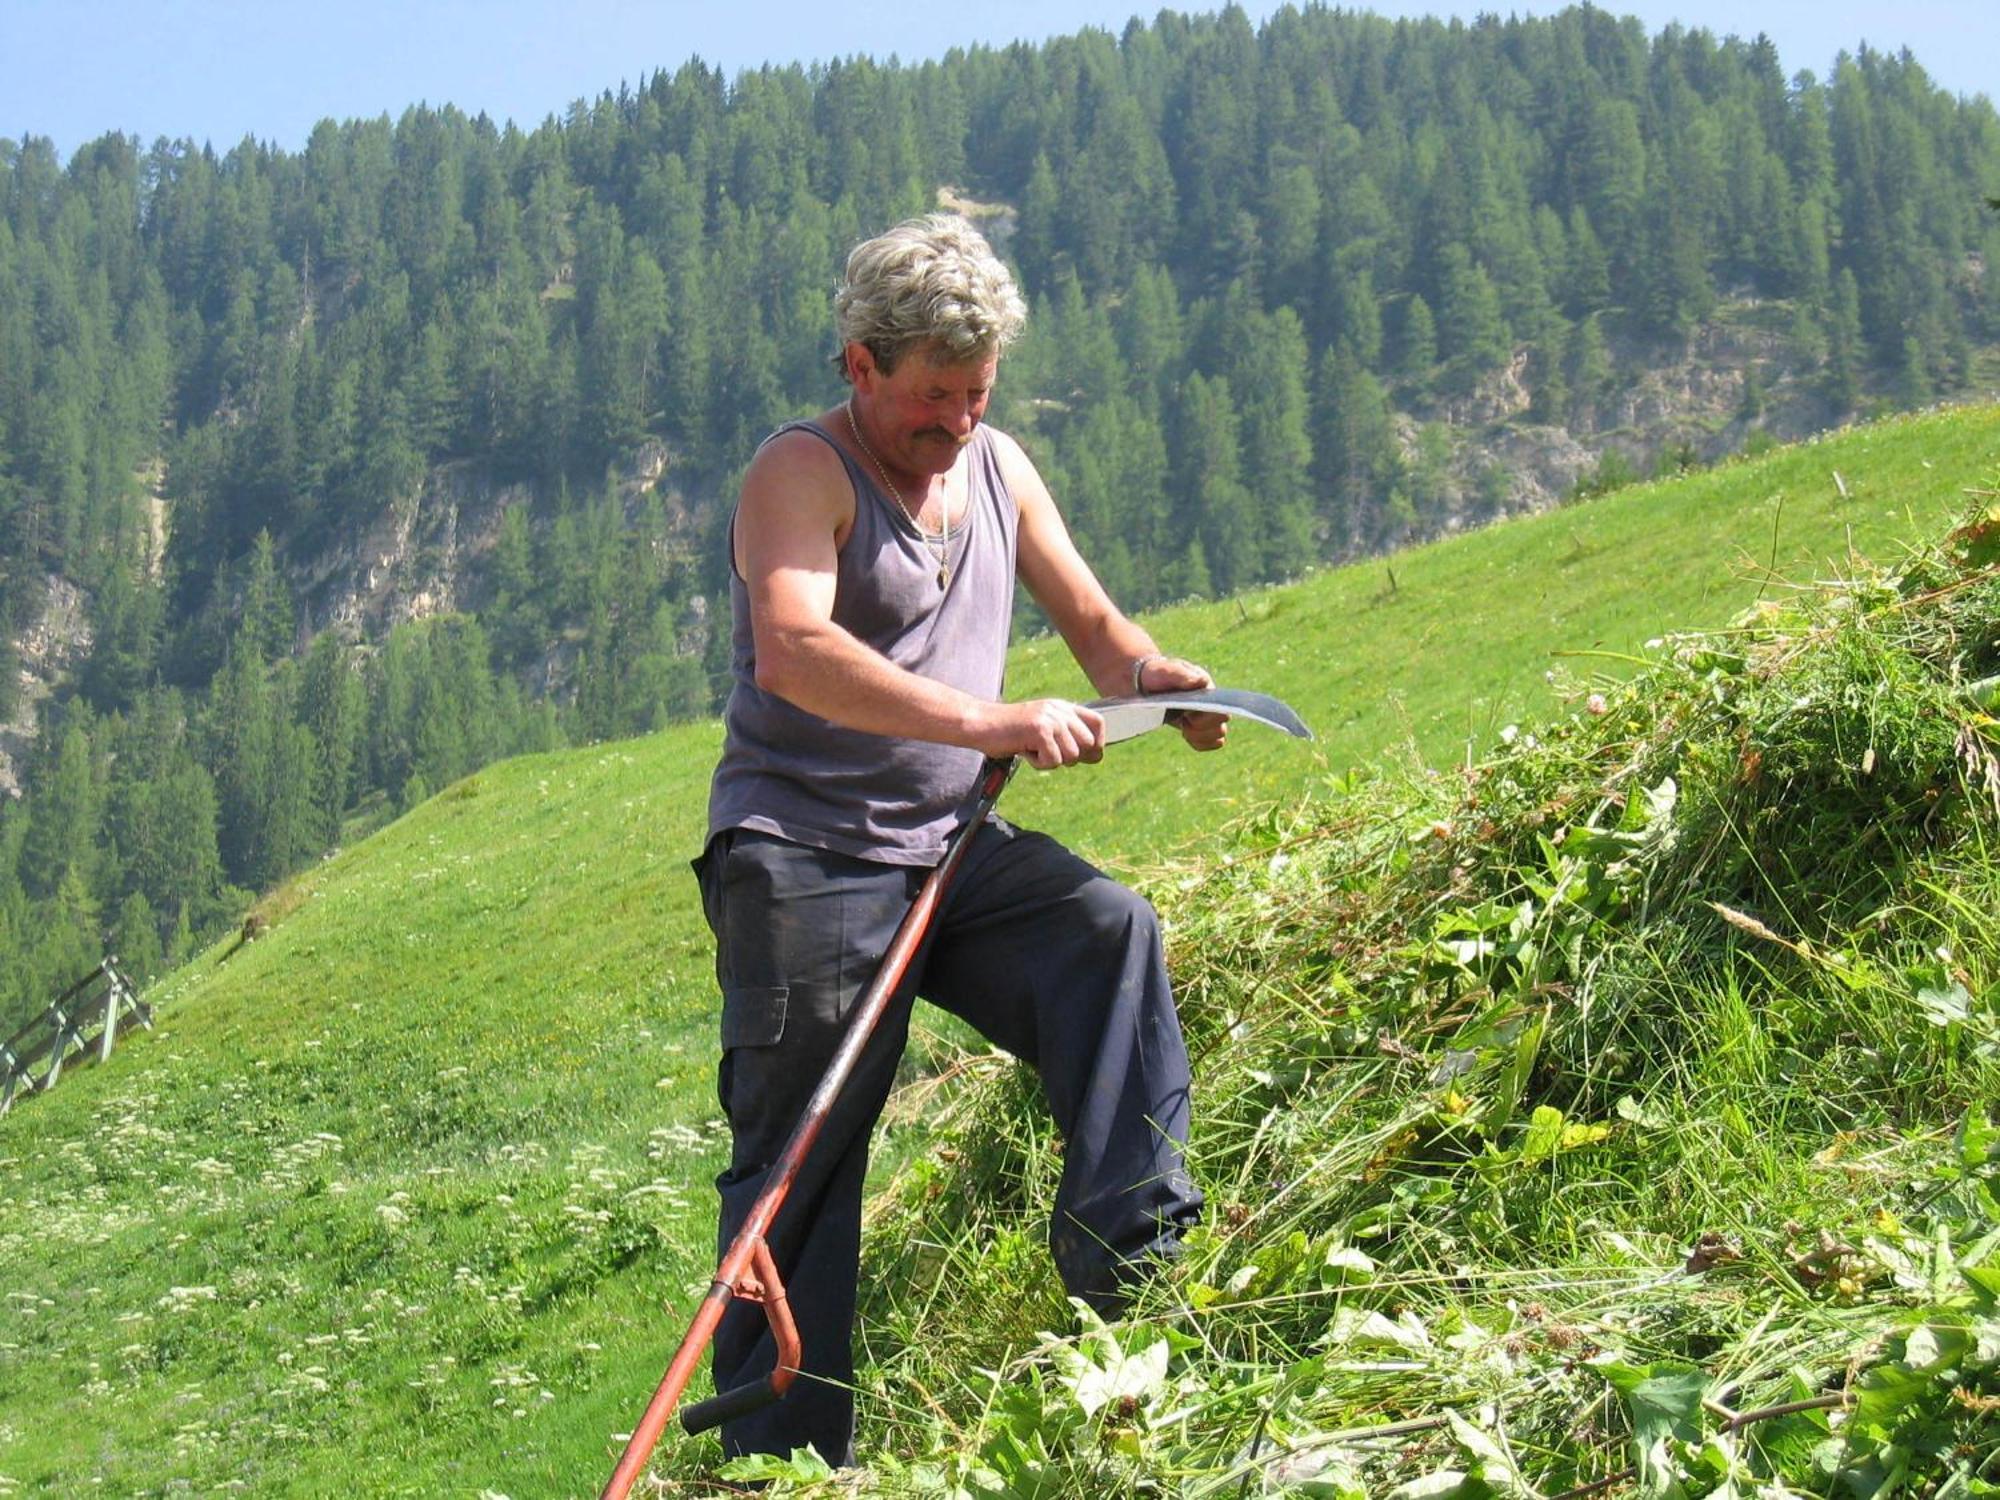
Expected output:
{"points": [[1614, 1110], [409, 1196]]}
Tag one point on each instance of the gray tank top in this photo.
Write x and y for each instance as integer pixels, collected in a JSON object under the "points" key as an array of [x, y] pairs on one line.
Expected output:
{"points": [[804, 778]]}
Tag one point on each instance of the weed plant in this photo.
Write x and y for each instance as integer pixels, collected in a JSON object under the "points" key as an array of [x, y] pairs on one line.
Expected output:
{"points": [[1612, 1112]]}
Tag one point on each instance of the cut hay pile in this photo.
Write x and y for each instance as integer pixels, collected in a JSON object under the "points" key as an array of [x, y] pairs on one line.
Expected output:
{"points": [[1610, 1115]]}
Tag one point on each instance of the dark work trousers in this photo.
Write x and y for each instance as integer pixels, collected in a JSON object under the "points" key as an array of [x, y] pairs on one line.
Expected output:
{"points": [[1048, 958]]}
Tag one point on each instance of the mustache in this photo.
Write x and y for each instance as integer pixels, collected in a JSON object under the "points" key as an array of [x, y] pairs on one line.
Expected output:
{"points": [[945, 437]]}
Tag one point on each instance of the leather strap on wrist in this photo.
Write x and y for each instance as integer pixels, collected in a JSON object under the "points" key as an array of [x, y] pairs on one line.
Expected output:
{"points": [[1139, 670]]}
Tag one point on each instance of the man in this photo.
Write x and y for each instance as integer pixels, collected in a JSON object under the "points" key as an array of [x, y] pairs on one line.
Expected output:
{"points": [[875, 551]]}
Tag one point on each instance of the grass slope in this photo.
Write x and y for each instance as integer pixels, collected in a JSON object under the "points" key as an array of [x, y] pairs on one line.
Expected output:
{"points": [[1614, 1113], [410, 1196], [1456, 647]]}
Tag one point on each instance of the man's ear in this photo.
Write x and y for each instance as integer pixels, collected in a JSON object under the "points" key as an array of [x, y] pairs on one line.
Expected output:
{"points": [[861, 369]]}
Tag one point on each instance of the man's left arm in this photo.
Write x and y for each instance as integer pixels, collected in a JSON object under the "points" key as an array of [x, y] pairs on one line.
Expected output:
{"points": [[1116, 653]]}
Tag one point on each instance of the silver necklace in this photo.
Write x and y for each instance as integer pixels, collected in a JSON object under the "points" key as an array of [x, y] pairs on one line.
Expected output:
{"points": [[940, 546]]}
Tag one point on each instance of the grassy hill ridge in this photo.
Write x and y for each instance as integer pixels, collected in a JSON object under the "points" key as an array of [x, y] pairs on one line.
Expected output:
{"points": [[409, 1196]]}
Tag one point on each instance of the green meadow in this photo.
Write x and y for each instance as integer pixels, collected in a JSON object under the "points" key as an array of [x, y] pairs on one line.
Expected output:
{"points": [[410, 1195]]}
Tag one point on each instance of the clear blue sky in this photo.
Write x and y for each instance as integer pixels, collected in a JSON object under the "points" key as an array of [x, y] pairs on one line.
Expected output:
{"points": [[218, 70]]}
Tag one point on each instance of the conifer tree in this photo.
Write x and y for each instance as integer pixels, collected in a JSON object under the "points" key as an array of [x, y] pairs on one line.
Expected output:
{"points": [[1274, 413], [1472, 333], [1844, 357], [135, 937], [266, 631], [61, 834], [1416, 357], [1357, 317], [1216, 505], [332, 707]]}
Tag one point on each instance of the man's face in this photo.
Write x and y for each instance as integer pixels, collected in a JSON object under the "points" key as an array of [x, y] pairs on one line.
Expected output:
{"points": [[926, 409]]}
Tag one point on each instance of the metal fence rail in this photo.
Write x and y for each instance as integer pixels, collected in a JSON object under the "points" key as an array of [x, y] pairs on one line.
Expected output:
{"points": [[89, 1014]]}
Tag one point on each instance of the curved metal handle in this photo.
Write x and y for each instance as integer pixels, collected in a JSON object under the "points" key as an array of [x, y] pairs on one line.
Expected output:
{"points": [[761, 1283]]}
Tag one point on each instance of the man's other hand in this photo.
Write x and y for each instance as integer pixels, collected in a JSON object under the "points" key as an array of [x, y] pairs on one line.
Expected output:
{"points": [[1170, 674]]}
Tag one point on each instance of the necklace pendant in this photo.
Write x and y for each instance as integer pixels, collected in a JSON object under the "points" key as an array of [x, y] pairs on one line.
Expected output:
{"points": [[944, 575]]}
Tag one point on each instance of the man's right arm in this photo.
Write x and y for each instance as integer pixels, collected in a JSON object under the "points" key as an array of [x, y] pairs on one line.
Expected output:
{"points": [[796, 506]]}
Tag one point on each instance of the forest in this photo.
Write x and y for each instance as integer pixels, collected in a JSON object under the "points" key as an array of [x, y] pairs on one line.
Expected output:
{"points": [[1266, 267]]}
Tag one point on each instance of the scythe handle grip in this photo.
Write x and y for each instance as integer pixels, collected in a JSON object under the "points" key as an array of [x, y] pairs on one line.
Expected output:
{"points": [[762, 1284], [730, 1405]]}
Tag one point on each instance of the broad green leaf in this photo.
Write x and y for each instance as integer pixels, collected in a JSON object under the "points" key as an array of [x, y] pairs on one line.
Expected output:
{"points": [[1986, 1283], [1514, 1077], [1355, 1327], [1984, 1353], [1978, 1141], [1437, 1485], [1136, 1375], [1947, 1005], [1491, 1464], [805, 1464], [1979, 539], [1581, 1133], [1663, 1402], [1465, 952], [1488, 916], [1930, 1347], [1660, 1398], [1544, 1137], [1629, 1107], [1344, 1264], [1884, 1396], [1334, 1482]]}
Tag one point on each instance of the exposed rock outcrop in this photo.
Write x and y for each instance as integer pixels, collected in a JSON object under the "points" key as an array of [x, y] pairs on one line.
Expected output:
{"points": [[55, 643]]}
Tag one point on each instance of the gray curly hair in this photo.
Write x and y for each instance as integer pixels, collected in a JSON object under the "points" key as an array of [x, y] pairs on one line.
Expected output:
{"points": [[932, 281]]}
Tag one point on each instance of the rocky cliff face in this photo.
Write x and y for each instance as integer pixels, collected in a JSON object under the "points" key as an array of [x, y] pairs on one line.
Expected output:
{"points": [[52, 646], [1694, 400], [418, 558], [429, 553]]}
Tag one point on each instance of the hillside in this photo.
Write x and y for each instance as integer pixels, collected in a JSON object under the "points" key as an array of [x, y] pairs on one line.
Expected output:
{"points": [[409, 1196], [329, 475], [1612, 1114]]}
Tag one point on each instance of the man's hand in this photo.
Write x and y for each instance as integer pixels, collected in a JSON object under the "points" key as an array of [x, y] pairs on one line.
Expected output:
{"points": [[1168, 674], [1050, 732]]}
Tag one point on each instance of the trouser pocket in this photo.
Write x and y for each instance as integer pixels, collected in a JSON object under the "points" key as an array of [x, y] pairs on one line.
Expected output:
{"points": [[752, 1016]]}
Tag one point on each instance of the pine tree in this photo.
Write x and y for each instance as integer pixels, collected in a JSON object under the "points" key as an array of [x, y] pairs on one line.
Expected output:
{"points": [[1428, 481], [1841, 383], [1587, 275], [174, 858], [1217, 508], [135, 937], [1472, 333], [1416, 356], [70, 935], [1913, 380], [332, 707], [1548, 387], [244, 720], [1358, 456], [63, 816], [1277, 443], [267, 622], [1357, 317], [1588, 364]]}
